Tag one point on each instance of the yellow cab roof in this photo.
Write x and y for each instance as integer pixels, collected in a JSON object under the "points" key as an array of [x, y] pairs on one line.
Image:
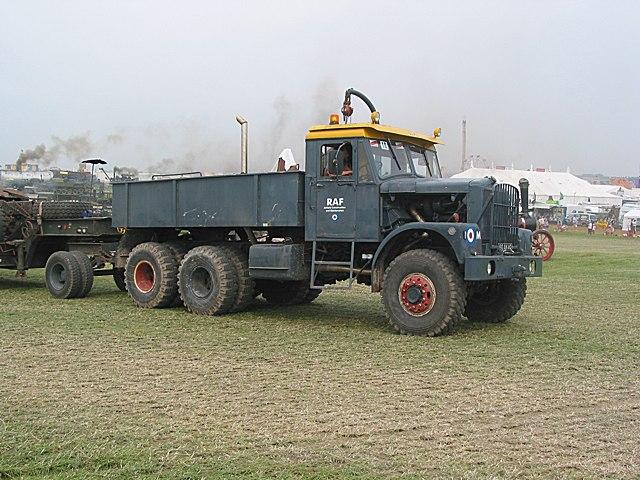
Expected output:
{"points": [[370, 130]]}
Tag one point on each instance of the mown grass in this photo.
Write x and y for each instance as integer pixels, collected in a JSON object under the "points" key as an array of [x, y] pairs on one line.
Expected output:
{"points": [[95, 388]]}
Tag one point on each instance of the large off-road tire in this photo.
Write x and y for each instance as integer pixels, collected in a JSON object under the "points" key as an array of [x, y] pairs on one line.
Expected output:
{"points": [[57, 210], [63, 276], [126, 243], [179, 250], [496, 302], [423, 293], [287, 292], [207, 281], [151, 275], [118, 279], [246, 285], [86, 273]]}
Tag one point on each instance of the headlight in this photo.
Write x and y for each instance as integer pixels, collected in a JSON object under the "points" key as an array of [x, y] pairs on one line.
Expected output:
{"points": [[491, 268]]}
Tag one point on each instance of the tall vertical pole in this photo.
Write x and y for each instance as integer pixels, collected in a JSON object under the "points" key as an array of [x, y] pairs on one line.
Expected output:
{"points": [[93, 166], [464, 144]]}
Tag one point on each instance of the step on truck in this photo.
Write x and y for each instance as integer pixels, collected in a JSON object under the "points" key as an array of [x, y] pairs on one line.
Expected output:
{"points": [[371, 208]]}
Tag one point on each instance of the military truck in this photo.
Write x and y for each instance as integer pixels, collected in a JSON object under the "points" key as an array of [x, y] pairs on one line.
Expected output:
{"points": [[371, 207], [60, 236]]}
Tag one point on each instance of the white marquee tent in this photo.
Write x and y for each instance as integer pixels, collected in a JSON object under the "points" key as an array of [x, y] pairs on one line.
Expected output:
{"points": [[561, 186], [626, 219]]}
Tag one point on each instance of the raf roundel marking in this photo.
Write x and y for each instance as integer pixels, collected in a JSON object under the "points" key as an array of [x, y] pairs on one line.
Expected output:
{"points": [[471, 235], [334, 217]]}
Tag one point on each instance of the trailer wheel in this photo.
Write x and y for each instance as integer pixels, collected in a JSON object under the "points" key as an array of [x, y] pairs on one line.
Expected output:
{"points": [[246, 284], [63, 276], [86, 272], [423, 293], [496, 302], [151, 275], [118, 279], [207, 281]]}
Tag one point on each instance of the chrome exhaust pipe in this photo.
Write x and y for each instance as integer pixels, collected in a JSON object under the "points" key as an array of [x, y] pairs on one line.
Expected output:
{"points": [[244, 143]]}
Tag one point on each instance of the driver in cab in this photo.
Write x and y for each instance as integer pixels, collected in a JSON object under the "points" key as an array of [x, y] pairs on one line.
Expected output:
{"points": [[343, 159]]}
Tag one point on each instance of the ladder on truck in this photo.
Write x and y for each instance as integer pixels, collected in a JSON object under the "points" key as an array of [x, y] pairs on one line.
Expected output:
{"points": [[315, 263]]}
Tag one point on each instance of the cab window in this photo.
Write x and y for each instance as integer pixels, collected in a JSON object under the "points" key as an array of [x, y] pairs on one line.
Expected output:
{"points": [[364, 174], [388, 162], [434, 165], [420, 164], [336, 160]]}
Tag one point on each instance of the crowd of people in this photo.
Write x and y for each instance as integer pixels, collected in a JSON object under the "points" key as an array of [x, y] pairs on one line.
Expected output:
{"points": [[607, 226]]}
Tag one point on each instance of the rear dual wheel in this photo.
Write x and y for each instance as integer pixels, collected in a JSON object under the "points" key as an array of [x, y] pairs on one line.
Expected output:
{"points": [[69, 275], [246, 285], [151, 275], [208, 281], [86, 273]]}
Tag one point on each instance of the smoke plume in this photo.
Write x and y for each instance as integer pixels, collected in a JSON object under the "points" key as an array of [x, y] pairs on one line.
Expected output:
{"points": [[75, 148], [35, 155]]}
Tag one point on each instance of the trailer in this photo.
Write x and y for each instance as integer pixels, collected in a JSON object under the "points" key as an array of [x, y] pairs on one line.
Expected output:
{"points": [[371, 207], [62, 237]]}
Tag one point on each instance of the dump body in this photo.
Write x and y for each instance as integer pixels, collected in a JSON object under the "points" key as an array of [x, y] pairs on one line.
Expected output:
{"points": [[251, 200]]}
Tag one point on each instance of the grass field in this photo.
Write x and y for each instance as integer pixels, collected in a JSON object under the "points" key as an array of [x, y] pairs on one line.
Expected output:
{"points": [[97, 388]]}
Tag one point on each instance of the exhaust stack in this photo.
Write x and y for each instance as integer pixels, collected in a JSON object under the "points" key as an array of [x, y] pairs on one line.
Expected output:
{"points": [[244, 143], [524, 195], [526, 220]]}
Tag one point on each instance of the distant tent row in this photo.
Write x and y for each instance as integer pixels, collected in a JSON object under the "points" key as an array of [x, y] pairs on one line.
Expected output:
{"points": [[561, 187], [631, 194]]}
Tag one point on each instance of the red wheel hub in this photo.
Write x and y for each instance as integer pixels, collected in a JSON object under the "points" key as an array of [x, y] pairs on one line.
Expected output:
{"points": [[144, 276], [417, 294]]}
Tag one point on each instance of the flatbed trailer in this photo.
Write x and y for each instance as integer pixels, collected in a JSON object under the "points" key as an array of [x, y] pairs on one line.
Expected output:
{"points": [[73, 249]]}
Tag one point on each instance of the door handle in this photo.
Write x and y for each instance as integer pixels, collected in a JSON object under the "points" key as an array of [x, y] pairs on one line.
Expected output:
{"points": [[320, 185]]}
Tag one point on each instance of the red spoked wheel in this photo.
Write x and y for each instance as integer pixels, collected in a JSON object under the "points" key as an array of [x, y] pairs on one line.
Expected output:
{"points": [[417, 294], [543, 244]]}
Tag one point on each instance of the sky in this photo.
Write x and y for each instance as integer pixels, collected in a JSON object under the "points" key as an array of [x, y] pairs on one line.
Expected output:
{"points": [[157, 84]]}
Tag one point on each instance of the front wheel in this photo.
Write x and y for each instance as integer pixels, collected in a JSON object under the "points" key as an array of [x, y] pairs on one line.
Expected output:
{"points": [[423, 293], [496, 302]]}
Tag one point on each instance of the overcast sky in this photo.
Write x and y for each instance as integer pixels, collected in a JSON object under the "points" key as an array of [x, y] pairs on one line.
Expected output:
{"points": [[544, 83]]}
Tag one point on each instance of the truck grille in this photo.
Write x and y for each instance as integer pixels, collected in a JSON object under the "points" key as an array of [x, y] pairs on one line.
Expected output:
{"points": [[504, 217]]}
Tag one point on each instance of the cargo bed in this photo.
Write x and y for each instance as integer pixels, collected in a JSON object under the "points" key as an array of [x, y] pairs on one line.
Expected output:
{"points": [[247, 200]]}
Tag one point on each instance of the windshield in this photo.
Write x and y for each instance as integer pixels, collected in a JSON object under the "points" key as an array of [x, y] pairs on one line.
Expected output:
{"points": [[391, 158], [387, 163]]}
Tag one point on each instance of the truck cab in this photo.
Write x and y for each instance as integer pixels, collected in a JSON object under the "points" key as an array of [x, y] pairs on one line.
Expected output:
{"points": [[346, 166]]}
